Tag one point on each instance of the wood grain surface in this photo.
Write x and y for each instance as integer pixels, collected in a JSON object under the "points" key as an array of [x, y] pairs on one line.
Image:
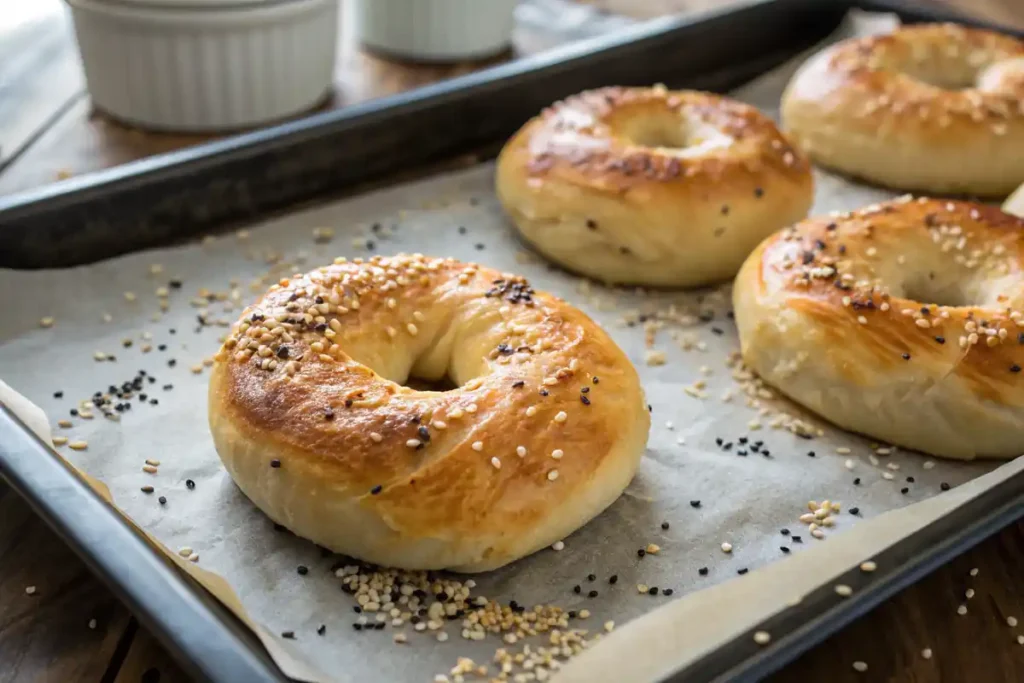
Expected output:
{"points": [[71, 629]]}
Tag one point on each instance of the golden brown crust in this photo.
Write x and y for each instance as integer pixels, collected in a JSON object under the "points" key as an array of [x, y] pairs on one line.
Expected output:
{"points": [[602, 181], [933, 107], [532, 371], [915, 304]]}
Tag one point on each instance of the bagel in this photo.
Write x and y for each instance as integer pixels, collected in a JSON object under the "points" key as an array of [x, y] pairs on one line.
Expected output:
{"points": [[934, 108], [645, 186], [308, 411], [903, 321]]}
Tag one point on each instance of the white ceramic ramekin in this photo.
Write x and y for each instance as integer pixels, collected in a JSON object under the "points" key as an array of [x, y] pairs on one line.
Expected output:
{"points": [[435, 30], [206, 65]]}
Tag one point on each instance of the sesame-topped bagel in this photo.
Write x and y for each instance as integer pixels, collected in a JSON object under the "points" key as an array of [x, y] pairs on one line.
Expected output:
{"points": [[310, 416], [651, 187], [933, 107], [903, 321]]}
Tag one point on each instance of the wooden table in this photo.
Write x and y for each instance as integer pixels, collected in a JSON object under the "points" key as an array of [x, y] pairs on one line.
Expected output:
{"points": [[72, 629]]}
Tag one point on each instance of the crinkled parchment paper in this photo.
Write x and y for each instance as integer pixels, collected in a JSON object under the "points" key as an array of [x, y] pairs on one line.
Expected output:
{"points": [[746, 494]]}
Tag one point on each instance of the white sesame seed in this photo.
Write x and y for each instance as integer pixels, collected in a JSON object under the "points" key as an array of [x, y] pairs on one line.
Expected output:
{"points": [[842, 590], [928, 464], [1011, 622], [46, 321], [375, 437], [521, 451], [860, 667], [552, 475], [477, 446], [185, 551], [439, 424], [843, 450], [442, 637], [413, 443], [558, 545], [850, 464], [1020, 640], [817, 533], [30, 590], [557, 454], [727, 547], [92, 624], [926, 653], [496, 462], [400, 637], [974, 571], [149, 468], [78, 445], [413, 330], [961, 610], [762, 637], [868, 566], [561, 416], [531, 411], [653, 549], [969, 593]]}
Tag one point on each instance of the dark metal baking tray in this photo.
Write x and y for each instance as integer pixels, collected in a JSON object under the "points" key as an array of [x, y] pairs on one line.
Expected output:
{"points": [[211, 187]]}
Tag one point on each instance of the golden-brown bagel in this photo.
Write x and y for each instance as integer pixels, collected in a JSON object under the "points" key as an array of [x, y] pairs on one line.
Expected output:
{"points": [[903, 321], [934, 107], [651, 187], [310, 417]]}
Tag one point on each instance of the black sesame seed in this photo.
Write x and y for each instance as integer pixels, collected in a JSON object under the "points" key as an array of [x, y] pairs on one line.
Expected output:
{"points": [[856, 481], [423, 433], [518, 384], [328, 414], [58, 394], [572, 614], [376, 489], [1014, 368], [724, 210], [941, 340], [584, 390], [695, 503], [910, 480], [783, 548], [906, 356], [168, 387], [854, 511], [479, 246], [641, 552], [664, 525], [171, 363], [905, 490], [543, 392], [577, 589], [758, 192], [153, 402], [810, 454], [162, 500], [742, 571], [796, 539], [784, 532], [653, 590], [302, 570], [591, 224], [357, 626], [667, 591], [584, 400], [275, 463], [591, 577], [592, 594], [596, 380], [74, 412], [703, 571], [290, 635], [321, 629], [613, 579], [147, 489], [189, 484], [462, 230], [944, 486]]}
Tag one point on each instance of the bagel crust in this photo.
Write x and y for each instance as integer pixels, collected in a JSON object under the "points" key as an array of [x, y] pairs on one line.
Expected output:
{"points": [[310, 416], [651, 187], [903, 321], [933, 107]]}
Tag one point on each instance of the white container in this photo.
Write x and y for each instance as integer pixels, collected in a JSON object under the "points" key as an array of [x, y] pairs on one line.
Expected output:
{"points": [[435, 30], [206, 65]]}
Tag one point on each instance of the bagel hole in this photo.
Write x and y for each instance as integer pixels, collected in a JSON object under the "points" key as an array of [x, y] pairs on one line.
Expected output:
{"points": [[667, 132], [440, 385], [934, 290]]}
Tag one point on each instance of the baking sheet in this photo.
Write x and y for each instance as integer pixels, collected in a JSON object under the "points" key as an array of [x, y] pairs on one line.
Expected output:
{"points": [[745, 499]]}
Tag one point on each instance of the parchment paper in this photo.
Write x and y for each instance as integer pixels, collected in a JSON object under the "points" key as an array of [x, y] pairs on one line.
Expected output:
{"points": [[744, 500]]}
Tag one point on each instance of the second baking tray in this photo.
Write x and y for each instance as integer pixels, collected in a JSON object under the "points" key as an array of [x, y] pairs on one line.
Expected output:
{"points": [[212, 187]]}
